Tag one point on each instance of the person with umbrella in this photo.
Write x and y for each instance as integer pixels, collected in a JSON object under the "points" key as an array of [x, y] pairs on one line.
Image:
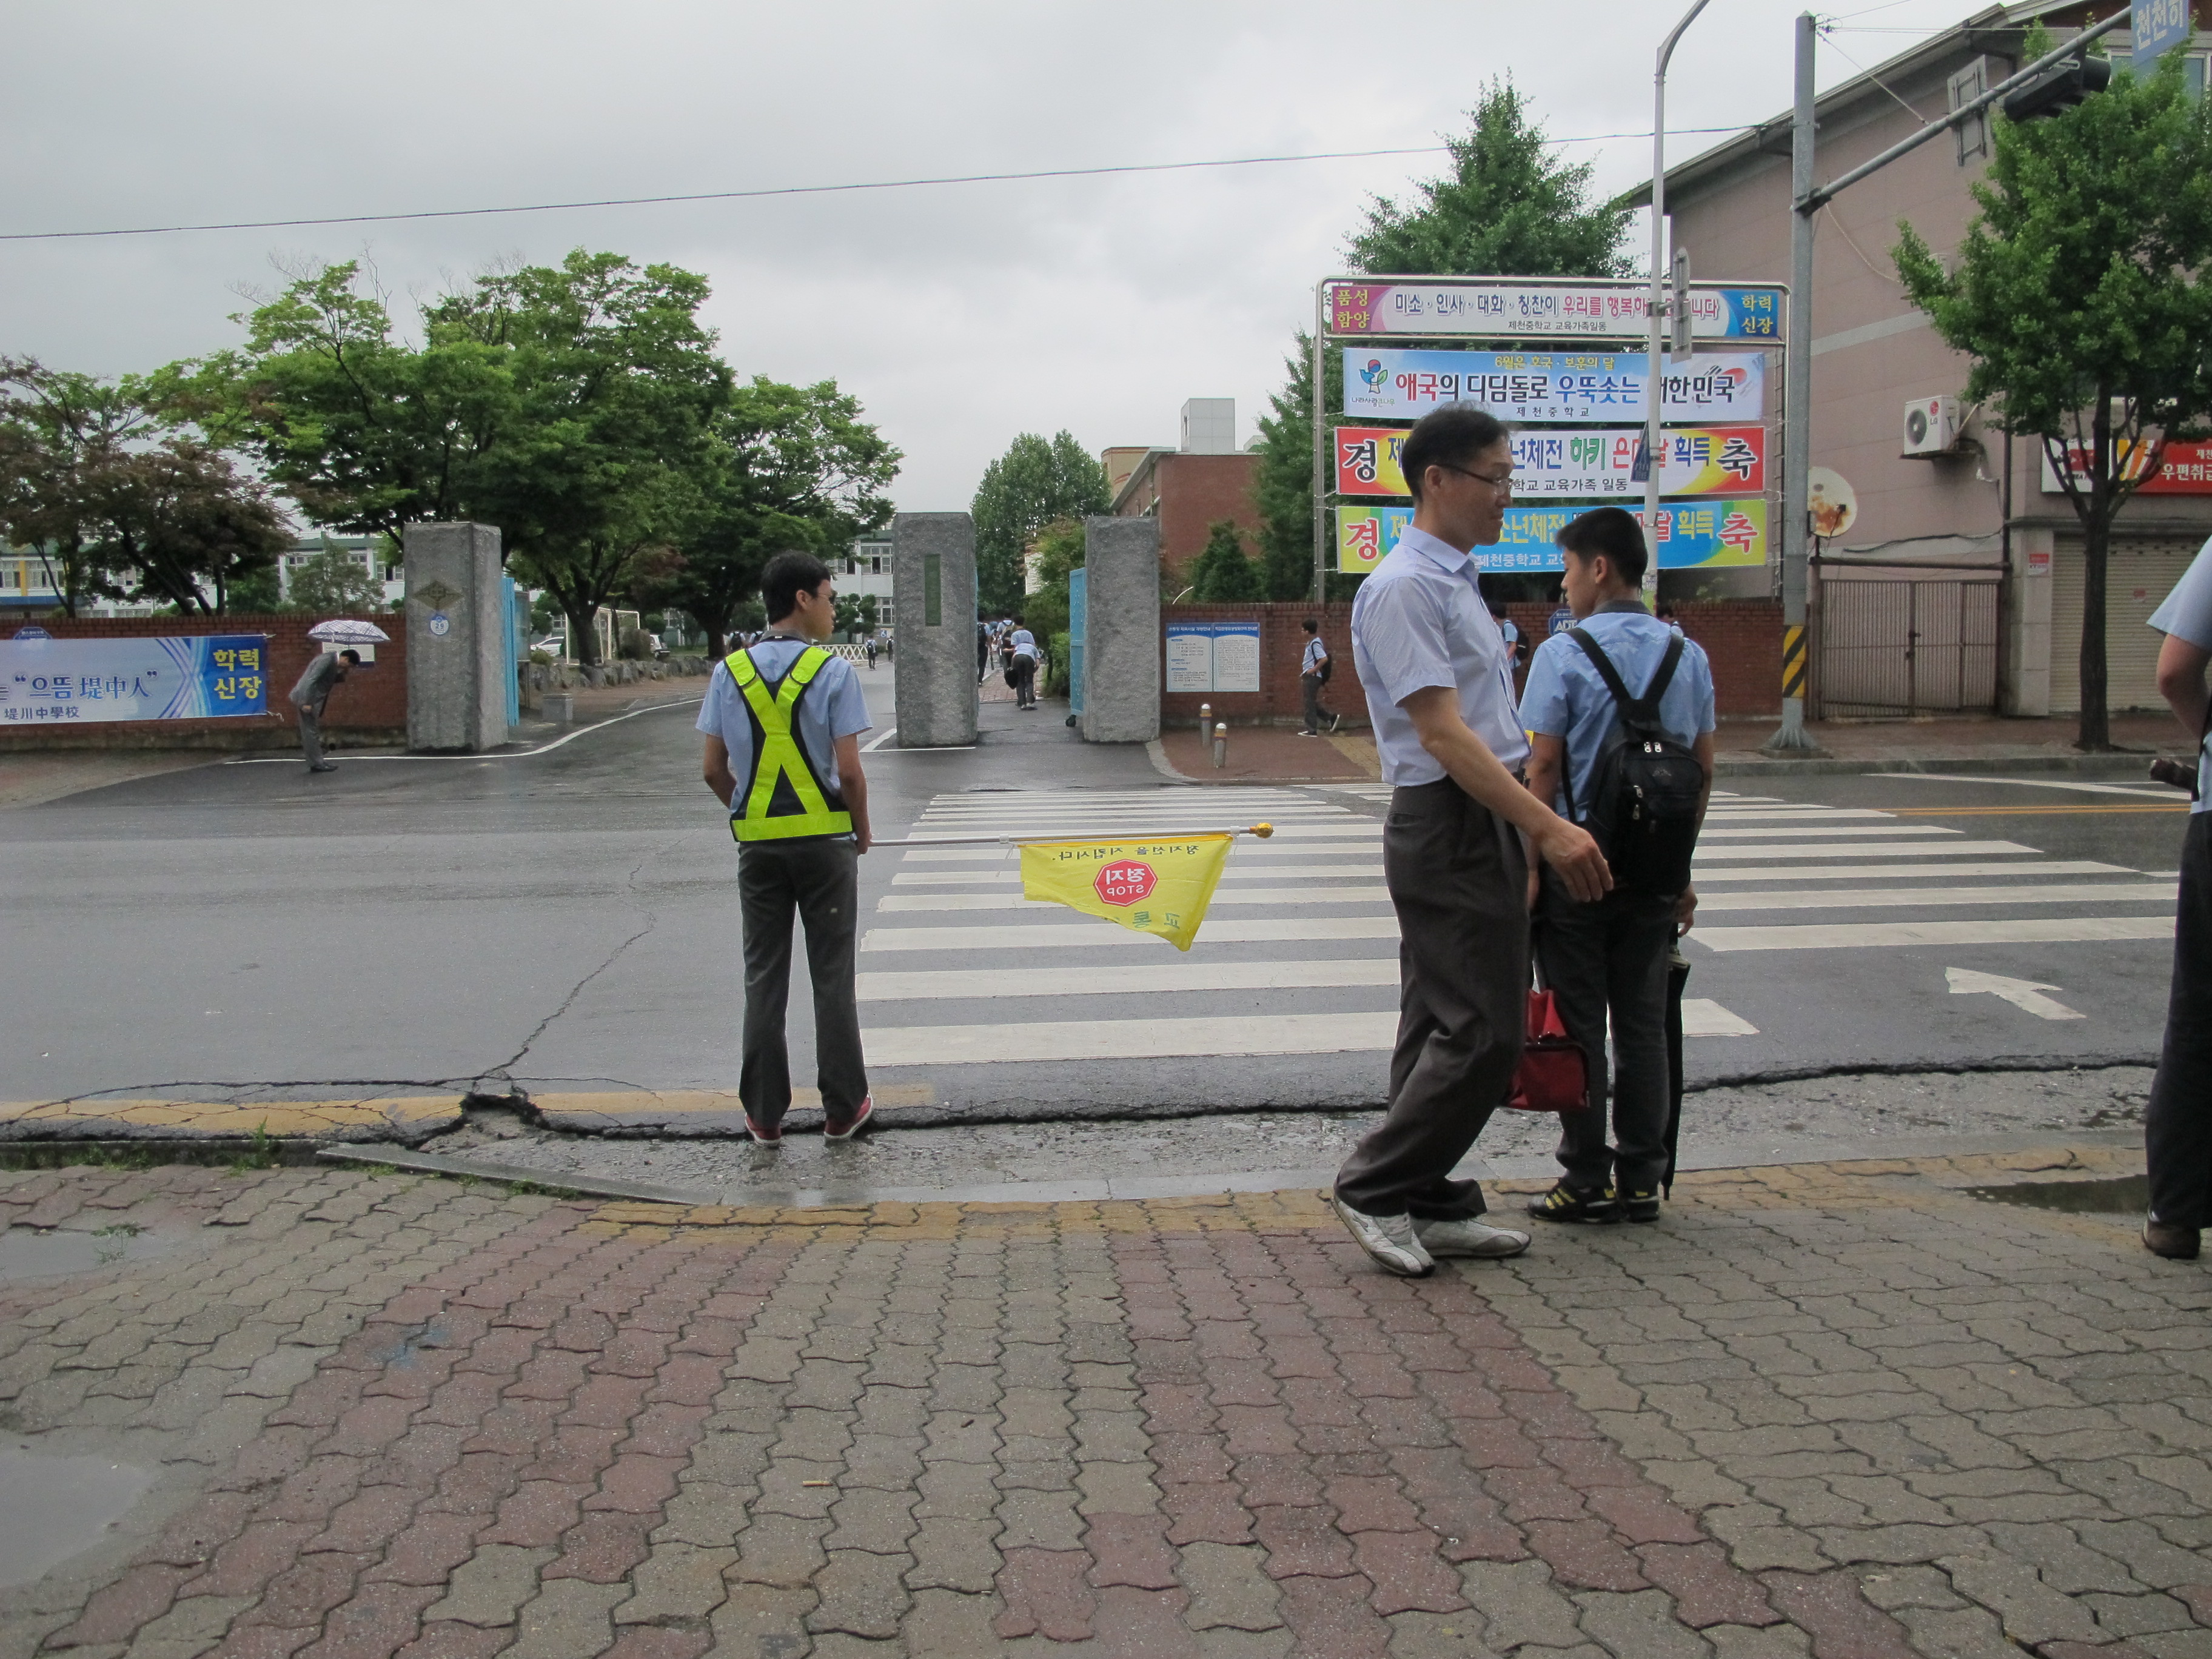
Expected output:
{"points": [[329, 669]]}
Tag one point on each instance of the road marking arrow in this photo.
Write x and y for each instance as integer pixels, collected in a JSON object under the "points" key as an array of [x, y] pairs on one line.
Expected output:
{"points": [[2022, 994]]}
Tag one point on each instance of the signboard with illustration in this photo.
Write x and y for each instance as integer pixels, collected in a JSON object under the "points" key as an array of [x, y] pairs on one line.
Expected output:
{"points": [[1495, 307], [1690, 536], [46, 682], [1551, 466], [1552, 385]]}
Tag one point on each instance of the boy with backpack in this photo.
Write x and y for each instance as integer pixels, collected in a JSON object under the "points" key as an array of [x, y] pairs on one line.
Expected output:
{"points": [[1619, 712], [1315, 668]]}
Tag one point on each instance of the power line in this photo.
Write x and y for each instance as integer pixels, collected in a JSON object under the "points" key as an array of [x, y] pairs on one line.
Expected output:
{"points": [[785, 190]]}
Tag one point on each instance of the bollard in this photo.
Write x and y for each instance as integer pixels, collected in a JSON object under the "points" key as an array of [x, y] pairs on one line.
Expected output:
{"points": [[560, 707], [1221, 743], [1205, 719]]}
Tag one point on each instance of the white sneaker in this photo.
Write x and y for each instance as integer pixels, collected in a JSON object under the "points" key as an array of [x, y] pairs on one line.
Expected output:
{"points": [[1388, 1238], [1469, 1238]]}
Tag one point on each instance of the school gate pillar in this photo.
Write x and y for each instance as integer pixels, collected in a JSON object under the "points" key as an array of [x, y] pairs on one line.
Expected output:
{"points": [[934, 608], [1121, 630], [456, 645]]}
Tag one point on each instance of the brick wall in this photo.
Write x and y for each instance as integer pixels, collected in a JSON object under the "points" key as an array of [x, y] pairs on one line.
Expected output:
{"points": [[1193, 492], [1742, 638], [372, 702]]}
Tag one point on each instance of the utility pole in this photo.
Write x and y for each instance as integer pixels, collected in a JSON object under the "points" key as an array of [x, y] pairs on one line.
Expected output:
{"points": [[1797, 407], [1654, 396], [1321, 457]]}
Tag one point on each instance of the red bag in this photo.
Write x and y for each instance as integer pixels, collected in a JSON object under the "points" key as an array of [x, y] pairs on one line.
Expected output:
{"points": [[1553, 1075]]}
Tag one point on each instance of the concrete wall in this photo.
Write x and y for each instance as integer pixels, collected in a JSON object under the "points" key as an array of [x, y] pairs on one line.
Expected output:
{"points": [[372, 705], [933, 601], [457, 654], [1121, 630]]}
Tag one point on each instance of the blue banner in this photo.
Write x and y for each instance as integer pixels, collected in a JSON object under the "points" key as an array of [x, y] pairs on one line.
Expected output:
{"points": [[45, 681]]}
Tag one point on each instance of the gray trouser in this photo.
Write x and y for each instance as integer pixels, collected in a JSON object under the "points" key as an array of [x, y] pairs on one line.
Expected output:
{"points": [[1611, 956], [1459, 882], [311, 732], [820, 880], [1309, 691], [2177, 1127]]}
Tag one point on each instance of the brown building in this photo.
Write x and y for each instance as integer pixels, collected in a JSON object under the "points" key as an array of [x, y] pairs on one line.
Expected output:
{"points": [[1189, 489], [1893, 626]]}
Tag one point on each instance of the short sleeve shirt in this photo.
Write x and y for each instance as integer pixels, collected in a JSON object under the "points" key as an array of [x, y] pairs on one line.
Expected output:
{"points": [[1566, 698], [1316, 653], [2186, 614], [834, 707], [1419, 621]]}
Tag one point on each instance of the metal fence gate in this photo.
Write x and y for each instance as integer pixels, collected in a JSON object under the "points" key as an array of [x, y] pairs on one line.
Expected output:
{"points": [[1916, 646]]}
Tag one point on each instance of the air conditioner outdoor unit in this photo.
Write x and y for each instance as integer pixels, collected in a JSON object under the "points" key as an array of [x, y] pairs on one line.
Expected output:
{"points": [[1931, 426]]}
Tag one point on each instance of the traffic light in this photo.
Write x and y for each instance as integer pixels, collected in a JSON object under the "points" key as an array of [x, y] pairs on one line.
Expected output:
{"points": [[2059, 87]]}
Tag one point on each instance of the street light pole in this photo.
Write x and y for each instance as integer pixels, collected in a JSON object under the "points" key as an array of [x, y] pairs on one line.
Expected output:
{"points": [[1652, 395]]}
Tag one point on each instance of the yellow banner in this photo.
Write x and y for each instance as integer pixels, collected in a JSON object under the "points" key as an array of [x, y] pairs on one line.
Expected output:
{"points": [[1148, 886]]}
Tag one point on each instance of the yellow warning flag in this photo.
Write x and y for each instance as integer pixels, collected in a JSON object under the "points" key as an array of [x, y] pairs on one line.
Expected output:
{"points": [[1160, 886]]}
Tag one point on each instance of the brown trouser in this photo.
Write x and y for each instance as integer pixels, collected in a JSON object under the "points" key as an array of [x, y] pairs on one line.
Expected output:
{"points": [[1458, 879]]}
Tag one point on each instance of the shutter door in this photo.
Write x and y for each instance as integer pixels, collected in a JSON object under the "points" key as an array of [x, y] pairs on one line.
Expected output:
{"points": [[2139, 573]]}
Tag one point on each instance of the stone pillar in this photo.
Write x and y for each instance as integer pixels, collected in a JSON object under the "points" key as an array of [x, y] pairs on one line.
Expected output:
{"points": [[1121, 630], [934, 604], [456, 653]]}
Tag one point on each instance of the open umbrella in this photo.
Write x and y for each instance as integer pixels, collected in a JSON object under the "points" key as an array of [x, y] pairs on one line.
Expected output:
{"points": [[343, 632]]}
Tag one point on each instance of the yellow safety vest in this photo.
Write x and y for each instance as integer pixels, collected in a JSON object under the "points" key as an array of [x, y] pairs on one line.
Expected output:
{"points": [[783, 798]]}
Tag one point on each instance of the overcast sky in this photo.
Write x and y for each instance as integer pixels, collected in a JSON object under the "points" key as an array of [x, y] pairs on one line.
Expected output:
{"points": [[960, 314]]}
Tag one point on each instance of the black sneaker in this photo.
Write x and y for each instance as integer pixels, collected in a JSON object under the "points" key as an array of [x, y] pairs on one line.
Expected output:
{"points": [[1565, 1203], [1636, 1204]]}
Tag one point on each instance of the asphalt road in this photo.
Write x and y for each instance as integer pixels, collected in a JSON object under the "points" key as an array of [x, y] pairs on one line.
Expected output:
{"points": [[566, 921]]}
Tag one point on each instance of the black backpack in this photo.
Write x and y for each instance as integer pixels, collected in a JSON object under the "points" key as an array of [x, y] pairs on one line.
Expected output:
{"points": [[1646, 788]]}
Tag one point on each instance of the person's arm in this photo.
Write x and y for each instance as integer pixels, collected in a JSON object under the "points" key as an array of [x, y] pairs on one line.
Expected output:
{"points": [[1548, 765], [716, 770], [1452, 744], [2181, 682], [853, 784], [1686, 907]]}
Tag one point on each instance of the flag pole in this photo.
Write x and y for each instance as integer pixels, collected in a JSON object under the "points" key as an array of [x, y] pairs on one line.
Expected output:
{"points": [[1260, 830]]}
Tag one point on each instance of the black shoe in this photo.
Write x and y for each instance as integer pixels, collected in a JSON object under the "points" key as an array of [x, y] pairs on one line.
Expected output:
{"points": [[2174, 1243], [325, 767], [1636, 1204], [1565, 1203]]}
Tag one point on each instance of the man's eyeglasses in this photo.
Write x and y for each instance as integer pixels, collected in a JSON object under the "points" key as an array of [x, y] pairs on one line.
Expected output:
{"points": [[1503, 486]]}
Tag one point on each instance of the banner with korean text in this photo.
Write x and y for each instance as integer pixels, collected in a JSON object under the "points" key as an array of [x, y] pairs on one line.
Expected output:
{"points": [[1512, 307], [1728, 460], [2185, 469], [1552, 385], [1691, 536], [48, 681]]}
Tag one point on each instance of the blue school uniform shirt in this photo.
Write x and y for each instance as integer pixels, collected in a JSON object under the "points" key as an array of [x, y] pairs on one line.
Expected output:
{"points": [[834, 707], [2187, 615], [1565, 697]]}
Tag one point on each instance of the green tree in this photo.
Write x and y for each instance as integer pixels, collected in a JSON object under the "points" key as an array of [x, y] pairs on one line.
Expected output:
{"points": [[1222, 574], [2077, 294], [1033, 483], [1509, 206], [333, 580], [185, 525], [1058, 549], [61, 433]]}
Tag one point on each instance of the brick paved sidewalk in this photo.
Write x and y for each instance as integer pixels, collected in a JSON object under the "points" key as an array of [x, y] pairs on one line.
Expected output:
{"points": [[1843, 1409]]}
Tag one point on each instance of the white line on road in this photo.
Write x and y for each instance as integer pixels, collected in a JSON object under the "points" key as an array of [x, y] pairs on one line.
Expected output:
{"points": [[1245, 849], [1885, 897], [2174, 796], [1745, 814], [1056, 935], [2026, 994], [1847, 850], [1269, 873], [342, 758], [1102, 979], [1845, 936], [1903, 871], [1221, 896], [1709, 833]]}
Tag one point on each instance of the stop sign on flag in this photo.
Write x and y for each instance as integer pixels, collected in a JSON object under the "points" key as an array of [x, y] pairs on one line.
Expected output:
{"points": [[1125, 881]]}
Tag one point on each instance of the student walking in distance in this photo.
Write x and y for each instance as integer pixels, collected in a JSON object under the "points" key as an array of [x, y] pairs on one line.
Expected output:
{"points": [[782, 720], [2177, 1127], [1022, 665], [1609, 958], [1315, 669], [1440, 694], [309, 697]]}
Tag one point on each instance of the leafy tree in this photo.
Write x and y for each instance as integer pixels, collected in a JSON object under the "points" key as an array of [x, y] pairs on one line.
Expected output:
{"points": [[1059, 552], [1508, 207], [1222, 574], [2077, 294], [181, 518], [333, 580], [788, 467], [1033, 483], [60, 433]]}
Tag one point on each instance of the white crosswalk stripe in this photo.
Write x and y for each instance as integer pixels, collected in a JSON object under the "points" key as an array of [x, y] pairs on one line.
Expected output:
{"points": [[1316, 887]]}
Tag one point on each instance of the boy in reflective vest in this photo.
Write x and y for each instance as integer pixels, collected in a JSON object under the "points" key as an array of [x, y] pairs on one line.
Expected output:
{"points": [[782, 720]]}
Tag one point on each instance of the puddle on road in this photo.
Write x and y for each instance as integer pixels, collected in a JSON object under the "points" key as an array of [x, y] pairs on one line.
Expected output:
{"points": [[2118, 1195], [58, 1507]]}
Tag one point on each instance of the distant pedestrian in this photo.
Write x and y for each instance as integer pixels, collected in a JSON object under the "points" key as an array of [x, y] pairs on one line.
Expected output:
{"points": [[1606, 962], [2178, 1126], [872, 651], [1022, 667], [1315, 669], [982, 648], [1440, 695], [311, 694], [1515, 647], [782, 720]]}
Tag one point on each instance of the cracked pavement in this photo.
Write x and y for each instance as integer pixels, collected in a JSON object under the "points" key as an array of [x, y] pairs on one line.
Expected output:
{"points": [[1848, 1410]]}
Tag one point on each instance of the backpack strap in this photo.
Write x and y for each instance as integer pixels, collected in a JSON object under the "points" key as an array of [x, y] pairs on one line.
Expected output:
{"points": [[1639, 715]]}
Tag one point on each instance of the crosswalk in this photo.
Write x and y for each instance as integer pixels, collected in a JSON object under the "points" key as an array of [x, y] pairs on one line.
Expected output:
{"points": [[1299, 954]]}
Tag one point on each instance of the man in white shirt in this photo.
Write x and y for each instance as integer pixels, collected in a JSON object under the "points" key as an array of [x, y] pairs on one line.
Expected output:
{"points": [[1439, 689], [2178, 1125]]}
